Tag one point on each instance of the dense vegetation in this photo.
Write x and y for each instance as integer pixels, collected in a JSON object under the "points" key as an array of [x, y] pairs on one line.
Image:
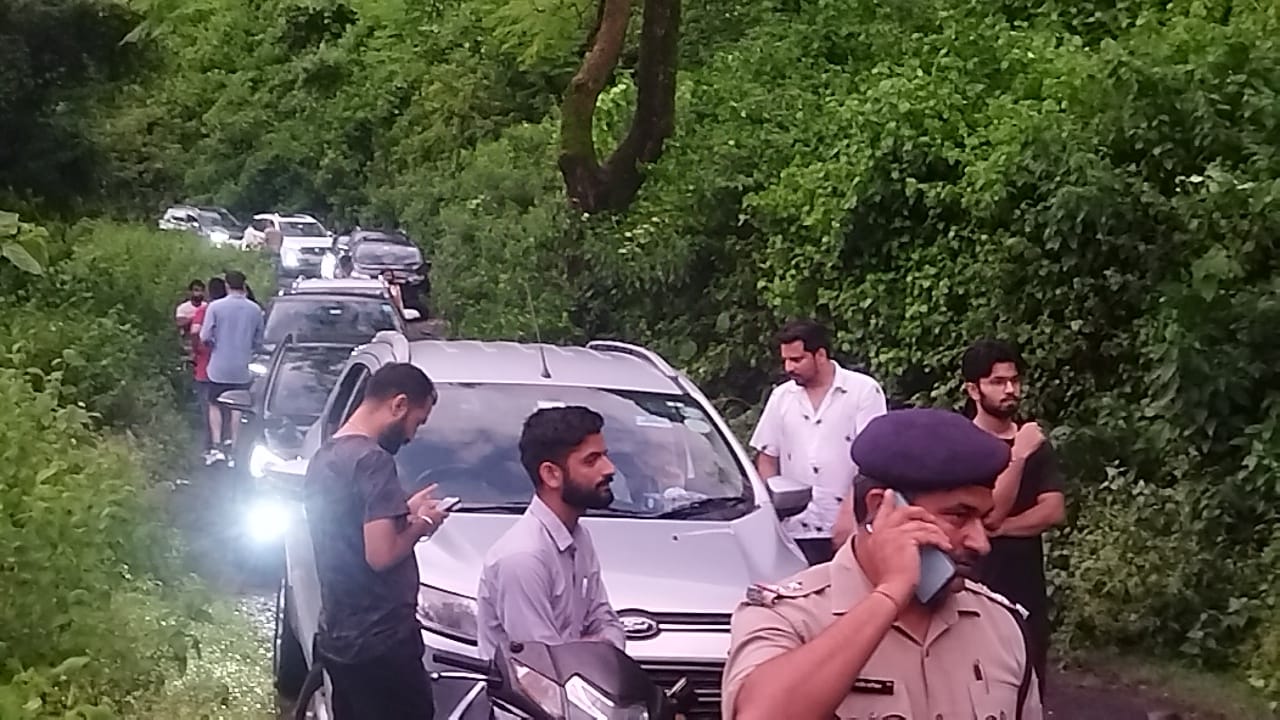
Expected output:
{"points": [[97, 612], [1095, 179]]}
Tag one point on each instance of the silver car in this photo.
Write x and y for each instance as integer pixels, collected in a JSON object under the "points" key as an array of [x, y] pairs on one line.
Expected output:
{"points": [[691, 527]]}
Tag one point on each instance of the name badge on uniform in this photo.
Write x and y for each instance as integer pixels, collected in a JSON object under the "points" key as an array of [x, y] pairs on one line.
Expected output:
{"points": [[872, 686]]}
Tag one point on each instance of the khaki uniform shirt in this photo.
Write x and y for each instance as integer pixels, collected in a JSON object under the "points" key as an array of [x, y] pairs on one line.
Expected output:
{"points": [[968, 668]]}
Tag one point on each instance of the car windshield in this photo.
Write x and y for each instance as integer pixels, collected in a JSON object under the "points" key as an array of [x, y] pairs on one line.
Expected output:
{"points": [[386, 253], [301, 228], [218, 218], [321, 319], [303, 381], [668, 453]]}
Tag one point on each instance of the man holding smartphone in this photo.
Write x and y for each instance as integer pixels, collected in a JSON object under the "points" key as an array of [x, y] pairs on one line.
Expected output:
{"points": [[363, 529], [1028, 496], [857, 637]]}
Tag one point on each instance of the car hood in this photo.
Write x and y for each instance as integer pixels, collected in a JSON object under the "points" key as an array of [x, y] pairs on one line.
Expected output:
{"points": [[661, 566]]}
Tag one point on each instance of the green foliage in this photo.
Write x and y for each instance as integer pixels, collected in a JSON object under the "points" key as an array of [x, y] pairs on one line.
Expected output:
{"points": [[57, 57], [98, 615]]}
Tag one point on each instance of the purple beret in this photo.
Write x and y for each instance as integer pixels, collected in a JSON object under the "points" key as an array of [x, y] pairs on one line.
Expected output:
{"points": [[925, 449]]}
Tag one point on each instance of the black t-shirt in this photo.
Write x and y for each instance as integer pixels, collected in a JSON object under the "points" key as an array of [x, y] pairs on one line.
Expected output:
{"points": [[1015, 566], [351, 481]]}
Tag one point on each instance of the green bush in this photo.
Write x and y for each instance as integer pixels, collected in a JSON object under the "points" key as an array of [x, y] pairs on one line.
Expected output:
{"points": [[98, 614]]}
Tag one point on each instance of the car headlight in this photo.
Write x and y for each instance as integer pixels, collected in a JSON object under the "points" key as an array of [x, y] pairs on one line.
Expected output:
{"points": [[260, 459], [585, 701], [257, 368], [219, 236], [289, 257], [448, 614], [267, 519]]}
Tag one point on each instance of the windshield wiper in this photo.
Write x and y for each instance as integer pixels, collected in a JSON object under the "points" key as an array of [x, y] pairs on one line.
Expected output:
{"points": [[706, 505]]}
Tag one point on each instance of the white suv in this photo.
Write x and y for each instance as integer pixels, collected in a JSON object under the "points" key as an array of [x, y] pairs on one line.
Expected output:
{"points": [[303, 241], [691, 527]]}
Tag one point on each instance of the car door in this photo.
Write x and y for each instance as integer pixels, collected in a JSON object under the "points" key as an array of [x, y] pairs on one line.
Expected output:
{"points": [[303, 596]]}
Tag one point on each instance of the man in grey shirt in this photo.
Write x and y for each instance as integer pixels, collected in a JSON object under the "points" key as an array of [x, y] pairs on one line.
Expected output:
{"points": [[541, 580], [232, 329], [364, 527]]}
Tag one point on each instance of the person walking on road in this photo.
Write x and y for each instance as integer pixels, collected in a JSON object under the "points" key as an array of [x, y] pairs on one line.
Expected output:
{"points": [[200, 360], [541, 580], [850, 639], [1029, 498], [232, 329], [807, 427], [363, 530]]}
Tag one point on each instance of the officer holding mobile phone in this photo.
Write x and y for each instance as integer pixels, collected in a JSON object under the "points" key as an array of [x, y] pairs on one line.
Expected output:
{"points": [[894, 627]]}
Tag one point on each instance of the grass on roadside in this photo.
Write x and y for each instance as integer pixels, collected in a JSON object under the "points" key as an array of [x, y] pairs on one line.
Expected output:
{"points": [[228, 679], [1198, 694]]}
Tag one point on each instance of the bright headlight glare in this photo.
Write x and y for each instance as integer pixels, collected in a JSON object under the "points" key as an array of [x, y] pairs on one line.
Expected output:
{"points": [[266, 520], [587, 702], [219, 236], [289, 257], [260, 459], [447, 613], [257, 368], [540, 689]]}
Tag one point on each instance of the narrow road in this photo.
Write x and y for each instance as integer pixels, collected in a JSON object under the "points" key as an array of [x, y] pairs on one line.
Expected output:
{"points": [[206, 512]]}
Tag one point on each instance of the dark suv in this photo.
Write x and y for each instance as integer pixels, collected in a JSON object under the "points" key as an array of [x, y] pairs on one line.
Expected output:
{"points": [[390, 255]]}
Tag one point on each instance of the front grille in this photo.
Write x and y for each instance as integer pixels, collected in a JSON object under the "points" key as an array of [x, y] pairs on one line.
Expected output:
{"points": [[703, 676]]}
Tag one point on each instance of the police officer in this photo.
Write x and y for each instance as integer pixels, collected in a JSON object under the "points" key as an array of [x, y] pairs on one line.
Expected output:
{"points": [[850, 639]]}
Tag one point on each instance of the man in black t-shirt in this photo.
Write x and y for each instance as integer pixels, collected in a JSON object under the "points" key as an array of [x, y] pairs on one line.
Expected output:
{"points": [[363, 530], [1028, 495]]}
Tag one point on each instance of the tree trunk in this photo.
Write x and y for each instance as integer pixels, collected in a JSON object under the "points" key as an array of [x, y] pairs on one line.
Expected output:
{"points": [[590, 185]]}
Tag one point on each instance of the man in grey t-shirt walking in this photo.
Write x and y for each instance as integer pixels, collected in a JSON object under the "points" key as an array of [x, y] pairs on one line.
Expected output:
{"points": [[363, 530], [232, 329]]}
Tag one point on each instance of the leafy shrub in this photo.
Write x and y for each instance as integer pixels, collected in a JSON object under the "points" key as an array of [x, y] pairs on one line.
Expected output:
{"points": [[100, 616]]}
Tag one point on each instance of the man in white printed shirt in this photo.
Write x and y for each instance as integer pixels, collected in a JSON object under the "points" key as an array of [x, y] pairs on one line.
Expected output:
{"points": [[807, 428]]}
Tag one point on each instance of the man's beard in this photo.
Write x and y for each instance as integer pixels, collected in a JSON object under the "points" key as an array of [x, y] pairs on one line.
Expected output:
{"points": [[801, 380], [1003, 411], [594, 498], [393, 438], [197, 300]]}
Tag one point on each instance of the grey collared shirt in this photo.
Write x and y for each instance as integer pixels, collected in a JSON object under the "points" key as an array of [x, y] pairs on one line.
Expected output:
{"points": [[541, 583]]}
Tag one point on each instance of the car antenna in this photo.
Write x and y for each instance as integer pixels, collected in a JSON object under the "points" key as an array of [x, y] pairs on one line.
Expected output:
{"points": [[537, 334]]}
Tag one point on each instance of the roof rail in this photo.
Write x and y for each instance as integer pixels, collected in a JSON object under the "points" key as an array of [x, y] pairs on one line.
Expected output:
{"points": [[398, 342], [635, 351]]}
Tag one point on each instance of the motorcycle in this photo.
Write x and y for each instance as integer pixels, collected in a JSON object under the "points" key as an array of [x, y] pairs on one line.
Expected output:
{"points": [[585, 680]]}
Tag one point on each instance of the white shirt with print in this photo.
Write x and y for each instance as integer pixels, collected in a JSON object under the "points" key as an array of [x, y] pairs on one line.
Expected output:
{"points": [[812, 444]]}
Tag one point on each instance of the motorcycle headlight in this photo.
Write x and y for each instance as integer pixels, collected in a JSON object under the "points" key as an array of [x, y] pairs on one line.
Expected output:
{"points": [[588, 703], [260, 459], [541, 689], [257, 368], [289, 257], [448, 614]]}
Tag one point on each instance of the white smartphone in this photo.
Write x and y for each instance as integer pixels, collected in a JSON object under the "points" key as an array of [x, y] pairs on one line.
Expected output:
{"points": [[936, 569], [449, 503]]}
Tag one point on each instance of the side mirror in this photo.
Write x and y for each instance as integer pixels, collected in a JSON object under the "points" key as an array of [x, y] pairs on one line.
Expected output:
{"points": [[291, 473], [790, 498], [241, 400], [410, 314]]}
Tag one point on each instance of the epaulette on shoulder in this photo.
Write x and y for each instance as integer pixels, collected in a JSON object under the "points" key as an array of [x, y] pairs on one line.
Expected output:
{"points": [[806, 583], [996, 597]]}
